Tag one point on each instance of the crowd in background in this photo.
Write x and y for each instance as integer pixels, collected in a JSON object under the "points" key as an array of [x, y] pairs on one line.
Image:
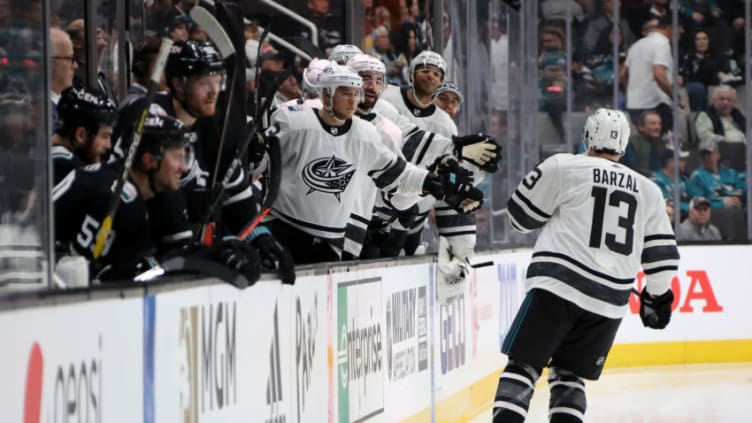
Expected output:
{"points": [[629, 64]]}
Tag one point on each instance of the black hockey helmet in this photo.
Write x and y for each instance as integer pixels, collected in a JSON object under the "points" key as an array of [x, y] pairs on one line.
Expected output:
{"points": [[162, 131], [84, 106], [189, 58]]}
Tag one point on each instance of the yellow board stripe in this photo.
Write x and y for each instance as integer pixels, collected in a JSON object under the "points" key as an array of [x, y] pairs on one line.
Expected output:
{"points": [[689, 352], [477, 398]]}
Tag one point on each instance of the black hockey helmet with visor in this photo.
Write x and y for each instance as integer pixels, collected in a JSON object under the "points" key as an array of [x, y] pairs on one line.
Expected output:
{"points": [[162, 131]]}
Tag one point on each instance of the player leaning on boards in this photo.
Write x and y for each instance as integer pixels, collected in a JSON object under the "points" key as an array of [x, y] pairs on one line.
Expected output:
{"points": [[601, 222], [328, 156]]}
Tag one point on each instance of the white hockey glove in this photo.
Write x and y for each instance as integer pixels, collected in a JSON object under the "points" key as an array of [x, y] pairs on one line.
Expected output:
{"points": [[453, 272], [480, 150]]}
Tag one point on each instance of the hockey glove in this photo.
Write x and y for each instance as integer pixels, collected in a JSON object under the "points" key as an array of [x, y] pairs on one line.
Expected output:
{"points": [[655, 312], [257, 147], [459, 192], [434, 185], [452, 273], [275, 256], [480, 150], [239, 256]]}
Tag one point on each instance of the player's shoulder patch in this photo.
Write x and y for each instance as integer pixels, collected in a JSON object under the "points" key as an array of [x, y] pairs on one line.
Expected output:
{"points": [[129, 193]]}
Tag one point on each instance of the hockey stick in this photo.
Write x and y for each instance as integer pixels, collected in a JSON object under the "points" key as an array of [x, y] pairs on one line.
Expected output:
{"points": [[106, 227], [273, 189]]}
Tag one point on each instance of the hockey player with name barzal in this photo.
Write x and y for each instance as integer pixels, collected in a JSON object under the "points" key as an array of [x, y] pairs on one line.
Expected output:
{"points": [[327, 157], [601, 223], [195, 76], [83, 130], [428, 132]]}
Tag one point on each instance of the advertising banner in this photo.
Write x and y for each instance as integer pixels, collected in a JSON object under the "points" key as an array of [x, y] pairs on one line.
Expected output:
{"points": [[360, 337], [309, 351], [406, 341], [198, 354], [71, 363]]}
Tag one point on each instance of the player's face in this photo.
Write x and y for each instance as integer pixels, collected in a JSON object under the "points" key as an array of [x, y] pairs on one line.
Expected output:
{"points": [[202, 94], [448, 102], [101, 144], [427, 79], [173, 166], [373, 85], [345, 101]]}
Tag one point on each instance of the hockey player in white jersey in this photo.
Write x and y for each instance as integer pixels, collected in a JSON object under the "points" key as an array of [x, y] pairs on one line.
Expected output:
{"points": [[342, 53], [327, 156], [381, 240], [429, 132], [601, 223]]}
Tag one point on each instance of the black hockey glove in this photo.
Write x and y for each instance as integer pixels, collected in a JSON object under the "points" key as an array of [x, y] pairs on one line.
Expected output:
{"points": [[459, 192], [275, 256], [434, 185], [480, 150], [257, 147], [655, 312], [239, 256]]}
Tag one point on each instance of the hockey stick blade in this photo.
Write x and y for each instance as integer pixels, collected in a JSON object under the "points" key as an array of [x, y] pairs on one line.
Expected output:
{"points": [[106, 227], [214, 29]]}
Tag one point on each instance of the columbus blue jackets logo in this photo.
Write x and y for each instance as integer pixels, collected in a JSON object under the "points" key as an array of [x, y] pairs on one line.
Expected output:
{"points": [[329, 175]]}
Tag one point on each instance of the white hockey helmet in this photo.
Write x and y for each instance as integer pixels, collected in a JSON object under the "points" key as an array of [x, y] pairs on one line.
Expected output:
{"points": [[607, 130], [335, 76], [451, 87], [341, 53], [366, 62], [311, 75], [426, 58]]}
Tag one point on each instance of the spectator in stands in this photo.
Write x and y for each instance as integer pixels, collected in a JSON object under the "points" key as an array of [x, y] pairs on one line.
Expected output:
{"points": [[144, 57], [557, 10], [647, 142], [76, 31], [659, 9], [723, 188], [500, 66], [178, 29], [699, 13], [382, 48], [647, 74], [180, 8], [664, 178], [701, 67], [198, 34], [330, 26], [697, 226], [63, 67], [449, 98], [157, 18], [551, 39], [408, 47], [601, 22], [722, 121]]}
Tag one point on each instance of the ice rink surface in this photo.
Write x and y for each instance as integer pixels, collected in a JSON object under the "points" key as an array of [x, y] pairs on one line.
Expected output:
{"points": [[700, 393]]}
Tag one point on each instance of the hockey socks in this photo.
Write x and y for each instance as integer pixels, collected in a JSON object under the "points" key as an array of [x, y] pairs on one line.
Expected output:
{"points": [[516, 387], [567, 403]]}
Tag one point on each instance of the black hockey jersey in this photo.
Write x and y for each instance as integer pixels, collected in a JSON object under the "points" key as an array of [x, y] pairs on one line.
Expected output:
{"points": [[81, 202]]}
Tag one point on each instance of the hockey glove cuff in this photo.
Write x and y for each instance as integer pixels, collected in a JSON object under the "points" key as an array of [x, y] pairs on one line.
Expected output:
{"points": [[452, 273], [655, 312], [480, 150]]}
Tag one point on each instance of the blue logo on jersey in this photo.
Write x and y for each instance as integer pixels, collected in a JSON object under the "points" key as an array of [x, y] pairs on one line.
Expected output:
{"points": [[329, 175]]}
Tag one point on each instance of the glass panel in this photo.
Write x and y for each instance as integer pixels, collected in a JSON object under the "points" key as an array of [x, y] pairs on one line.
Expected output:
{"points": [[24, 151]]}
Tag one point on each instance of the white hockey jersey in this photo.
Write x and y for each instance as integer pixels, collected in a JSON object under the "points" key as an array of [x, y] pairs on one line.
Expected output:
{"points": [[601, 223], [427, 135], [324, 170]]}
